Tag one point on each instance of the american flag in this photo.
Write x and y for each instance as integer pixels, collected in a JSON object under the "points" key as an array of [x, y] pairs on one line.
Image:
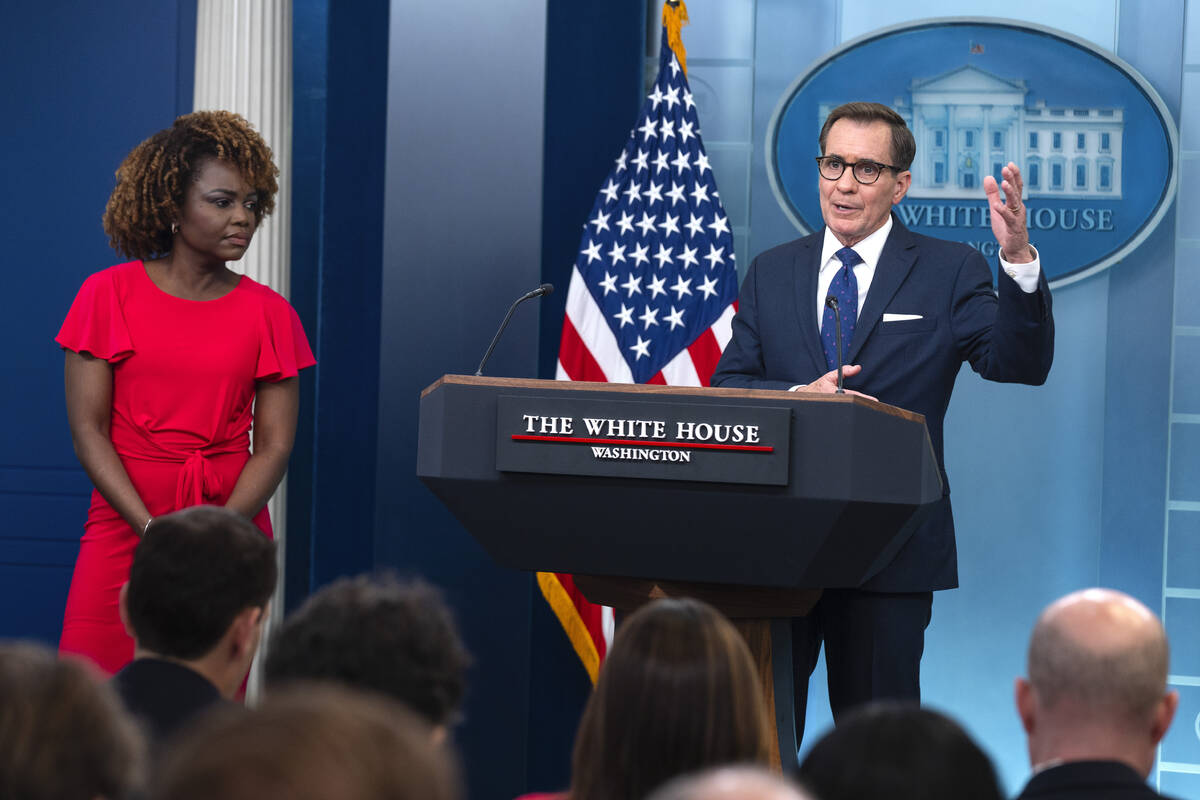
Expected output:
{"points": [[653, 290]]}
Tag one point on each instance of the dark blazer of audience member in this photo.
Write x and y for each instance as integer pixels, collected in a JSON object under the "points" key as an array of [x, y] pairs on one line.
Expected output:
{"points": [[677, 693], [63, 732], [197, 597], [381, 634], [314, 743], [899, 752], [1095, 704]]}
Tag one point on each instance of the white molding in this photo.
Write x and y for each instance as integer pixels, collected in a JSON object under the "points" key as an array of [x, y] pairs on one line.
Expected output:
{"points": [[244, 64]]}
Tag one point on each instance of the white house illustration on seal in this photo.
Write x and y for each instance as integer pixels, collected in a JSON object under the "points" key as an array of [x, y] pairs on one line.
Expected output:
{"points": [[968, 123]]}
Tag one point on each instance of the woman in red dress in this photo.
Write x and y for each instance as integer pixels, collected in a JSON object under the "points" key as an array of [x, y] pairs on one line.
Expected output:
{"points": [[172, 358]]}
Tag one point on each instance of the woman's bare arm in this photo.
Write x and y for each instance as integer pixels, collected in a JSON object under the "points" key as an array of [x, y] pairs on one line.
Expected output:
{"points": [[88, 382], [276, 406]]}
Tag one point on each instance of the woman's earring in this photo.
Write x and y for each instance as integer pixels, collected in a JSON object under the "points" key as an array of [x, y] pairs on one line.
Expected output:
{"points": [[174, 228]]}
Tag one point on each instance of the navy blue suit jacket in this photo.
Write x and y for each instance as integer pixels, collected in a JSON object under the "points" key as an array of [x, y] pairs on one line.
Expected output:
{"points": [[911, 364]]}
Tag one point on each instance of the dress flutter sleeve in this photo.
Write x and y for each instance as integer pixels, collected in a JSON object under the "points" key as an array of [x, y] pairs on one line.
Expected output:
{"points": [[284, 349], [96, 322]]}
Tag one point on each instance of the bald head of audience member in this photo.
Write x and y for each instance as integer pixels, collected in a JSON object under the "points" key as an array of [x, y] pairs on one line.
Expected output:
{"points": [[310, 743], [744, 782], [63, 732], [1097, 685]]}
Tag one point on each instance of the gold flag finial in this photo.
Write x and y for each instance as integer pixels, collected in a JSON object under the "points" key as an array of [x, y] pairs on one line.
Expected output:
{"points": [[675, 16]]}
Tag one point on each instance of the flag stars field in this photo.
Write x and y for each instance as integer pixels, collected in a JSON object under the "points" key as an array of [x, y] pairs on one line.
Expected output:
{"points": [[657, 216]]}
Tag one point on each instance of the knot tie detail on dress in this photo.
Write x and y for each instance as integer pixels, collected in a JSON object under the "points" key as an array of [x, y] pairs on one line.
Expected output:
{"points": [[198, 483]]}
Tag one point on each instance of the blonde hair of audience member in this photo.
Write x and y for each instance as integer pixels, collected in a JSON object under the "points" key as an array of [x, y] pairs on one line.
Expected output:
{"points": [[677, 693], [310, 742], [730, 783], [1097, 685], [63, 732]]}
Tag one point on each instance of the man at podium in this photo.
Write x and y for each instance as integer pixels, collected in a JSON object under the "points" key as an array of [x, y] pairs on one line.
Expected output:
{"points": [[911, 310]]}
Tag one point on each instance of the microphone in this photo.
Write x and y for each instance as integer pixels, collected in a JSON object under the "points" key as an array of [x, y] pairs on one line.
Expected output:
{"points": [[831, 302], [541, 291]]}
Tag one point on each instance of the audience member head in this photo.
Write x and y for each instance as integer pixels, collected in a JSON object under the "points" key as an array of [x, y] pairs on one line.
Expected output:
{"points": [[310, 743], [380, 634], [900, 752], [198, 592], [1097, 685], [730, 783], [677, 693], [63, 732]]}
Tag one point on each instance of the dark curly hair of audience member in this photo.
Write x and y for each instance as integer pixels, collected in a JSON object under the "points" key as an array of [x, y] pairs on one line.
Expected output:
{"points": [[902, 752], [378, 633], [677, 693], [193, 572], [152, 179], [63, 732], [310, 743]]}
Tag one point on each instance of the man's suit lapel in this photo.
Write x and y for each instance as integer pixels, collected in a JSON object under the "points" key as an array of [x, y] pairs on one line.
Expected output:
{"points": [[895, 262], [806, 267]]}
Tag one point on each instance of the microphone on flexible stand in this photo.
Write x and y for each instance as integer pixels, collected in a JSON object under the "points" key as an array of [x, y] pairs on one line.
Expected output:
{"points": [[831, 302], [541, 291]]}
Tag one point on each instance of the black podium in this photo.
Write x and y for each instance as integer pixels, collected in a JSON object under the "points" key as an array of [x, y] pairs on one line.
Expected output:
{"points": [[752, 500]]}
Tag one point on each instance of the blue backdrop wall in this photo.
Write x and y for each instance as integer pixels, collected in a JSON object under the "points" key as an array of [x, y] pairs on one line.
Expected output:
{"points": [[83, 84]]}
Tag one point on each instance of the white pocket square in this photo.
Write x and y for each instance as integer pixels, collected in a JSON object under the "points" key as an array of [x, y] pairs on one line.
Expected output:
{"points": [[900, 317]]}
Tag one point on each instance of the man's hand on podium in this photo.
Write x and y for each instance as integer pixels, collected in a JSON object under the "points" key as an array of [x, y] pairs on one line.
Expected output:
{"points": [[827, 383]]}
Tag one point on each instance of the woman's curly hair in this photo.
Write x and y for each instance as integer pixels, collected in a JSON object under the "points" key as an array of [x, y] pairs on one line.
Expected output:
{"points": [[152, 180]]}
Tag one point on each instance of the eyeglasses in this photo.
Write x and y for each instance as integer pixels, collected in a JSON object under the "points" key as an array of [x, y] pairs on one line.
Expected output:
{"points": [[865, 172]]}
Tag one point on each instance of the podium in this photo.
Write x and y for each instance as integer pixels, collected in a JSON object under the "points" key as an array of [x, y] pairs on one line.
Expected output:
{"points": [[752, 500]]}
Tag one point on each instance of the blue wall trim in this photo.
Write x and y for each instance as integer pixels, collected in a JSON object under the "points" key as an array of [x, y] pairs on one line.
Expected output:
{"points": [[337, 250], [1138, 347], [595, 61], [310, 47]]}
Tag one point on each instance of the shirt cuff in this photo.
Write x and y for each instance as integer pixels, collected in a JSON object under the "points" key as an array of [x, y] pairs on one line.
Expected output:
{"points": [[1026, 275], [798, 387]]}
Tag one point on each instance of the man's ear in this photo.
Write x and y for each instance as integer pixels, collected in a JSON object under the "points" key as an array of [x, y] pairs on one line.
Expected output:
{"points": [[123, 609], [1164, 712], [246, 629], [1026, 704], [903, 181]]}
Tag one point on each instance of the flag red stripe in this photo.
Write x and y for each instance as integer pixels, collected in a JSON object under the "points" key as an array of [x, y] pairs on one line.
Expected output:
{"points": [[705, 353], [588, 612], [575, 356]]}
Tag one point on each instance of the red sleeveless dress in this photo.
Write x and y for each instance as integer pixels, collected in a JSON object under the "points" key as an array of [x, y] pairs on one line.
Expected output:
{"points": [[184, 377]]}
